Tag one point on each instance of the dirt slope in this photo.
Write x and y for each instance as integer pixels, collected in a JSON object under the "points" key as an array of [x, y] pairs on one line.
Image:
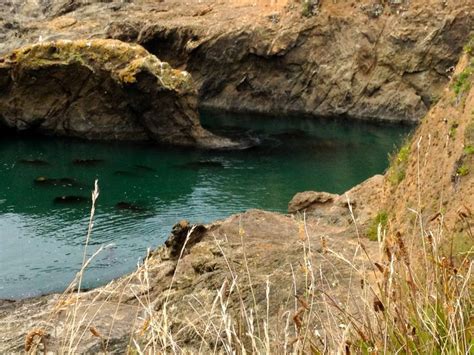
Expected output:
{"points": [[433, 176]]}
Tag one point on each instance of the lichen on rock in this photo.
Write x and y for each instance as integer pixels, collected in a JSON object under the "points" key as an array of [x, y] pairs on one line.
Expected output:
{"points": [[100, 89]]}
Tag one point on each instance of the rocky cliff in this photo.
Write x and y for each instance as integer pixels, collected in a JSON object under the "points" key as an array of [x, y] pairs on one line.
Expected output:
{"points": [[220, 287], [355, 59], [100, 89], [431, 179]]}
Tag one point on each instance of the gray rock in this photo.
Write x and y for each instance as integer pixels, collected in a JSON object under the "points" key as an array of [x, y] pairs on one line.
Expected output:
{"points": [[100, 89], [336, 63], [310, 200]]}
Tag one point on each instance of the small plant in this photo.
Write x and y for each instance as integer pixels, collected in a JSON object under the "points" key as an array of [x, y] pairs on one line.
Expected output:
{"points": [[380, 219], [398, 164], [434, 99], [452, 130], [462, 82], [309, 7], [469, 47], [469, 149], [463, 170]]}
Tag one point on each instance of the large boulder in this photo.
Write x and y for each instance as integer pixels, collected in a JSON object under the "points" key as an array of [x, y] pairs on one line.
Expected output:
{"points": [[361, 203], [310, 200], [100, 89]]}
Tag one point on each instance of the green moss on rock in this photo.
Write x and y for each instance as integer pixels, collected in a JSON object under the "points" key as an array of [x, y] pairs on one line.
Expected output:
{"points": [[123, 60], [101, 89]]}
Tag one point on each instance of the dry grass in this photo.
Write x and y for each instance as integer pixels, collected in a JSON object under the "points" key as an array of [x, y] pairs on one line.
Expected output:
{"points": [[405, 307]]}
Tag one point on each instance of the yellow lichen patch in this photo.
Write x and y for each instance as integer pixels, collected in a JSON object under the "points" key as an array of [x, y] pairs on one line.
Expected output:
{"points": [[165, 74], [123, 60]]}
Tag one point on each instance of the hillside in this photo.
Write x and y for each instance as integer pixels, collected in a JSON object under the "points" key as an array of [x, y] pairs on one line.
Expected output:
{"points": [[433, 173]]}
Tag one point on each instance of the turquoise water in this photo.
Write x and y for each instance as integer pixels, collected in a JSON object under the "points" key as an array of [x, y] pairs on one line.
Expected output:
{"points": [[145, 189]]}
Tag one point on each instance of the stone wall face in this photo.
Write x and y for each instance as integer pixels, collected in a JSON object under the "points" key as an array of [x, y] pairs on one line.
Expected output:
{"points": [[345, 59]]}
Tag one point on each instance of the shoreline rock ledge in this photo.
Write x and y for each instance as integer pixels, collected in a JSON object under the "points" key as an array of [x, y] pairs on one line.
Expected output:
{"points": [[101, 89]]}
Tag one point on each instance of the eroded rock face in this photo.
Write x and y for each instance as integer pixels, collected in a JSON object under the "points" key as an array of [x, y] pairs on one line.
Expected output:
{"points": [[342, 61], [435, 181], [100, 89]]}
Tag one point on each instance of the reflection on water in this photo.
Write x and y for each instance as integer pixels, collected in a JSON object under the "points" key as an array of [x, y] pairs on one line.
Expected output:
{"points": [[46, 184]]}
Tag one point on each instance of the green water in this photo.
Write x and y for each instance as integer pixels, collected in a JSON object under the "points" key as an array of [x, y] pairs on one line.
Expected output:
{"points": [[41, 241]]}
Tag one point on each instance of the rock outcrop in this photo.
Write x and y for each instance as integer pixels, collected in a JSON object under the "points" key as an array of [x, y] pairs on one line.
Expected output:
{"points": [[240, 259], [345, 60], [100, 89], [360, 203]]}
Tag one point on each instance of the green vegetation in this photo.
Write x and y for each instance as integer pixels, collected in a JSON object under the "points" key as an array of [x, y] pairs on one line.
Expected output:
{"points": [[308, 8], [462, 82], [398, 165], [422, 312], [434, 99], [463, 170], [452, 130], [461, 244], [380, 219], [469, 47], [469, 149]]}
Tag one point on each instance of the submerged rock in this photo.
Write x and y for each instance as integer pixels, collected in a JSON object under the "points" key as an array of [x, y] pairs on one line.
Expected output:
{"points": [[100, 89], [125, 173], [70, 199], [87, 162], [35, 162], [144, 168], [128, 206], [64, 182], [201, 164]]}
